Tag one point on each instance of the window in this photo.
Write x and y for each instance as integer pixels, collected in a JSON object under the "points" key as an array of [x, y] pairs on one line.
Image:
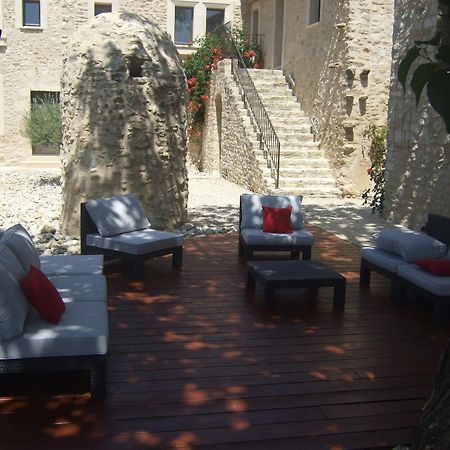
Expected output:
{"points": [[40, 97], [101, 8], [314, 11], [184, 21], [31, 13], [214, 19]]}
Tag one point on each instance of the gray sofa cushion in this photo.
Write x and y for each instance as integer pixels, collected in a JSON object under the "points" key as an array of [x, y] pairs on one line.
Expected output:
{"points": [[410, 245], [20, 243], [72, 264], [137, 242], [80, 288], [252, 209], [116, 215], [14, 306], [259, 237], [385, 260], [432, 283], [83, 330]]}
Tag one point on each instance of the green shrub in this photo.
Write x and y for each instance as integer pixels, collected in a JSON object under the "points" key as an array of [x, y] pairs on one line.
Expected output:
{"points": [[377, 155], [198, 67], [42, 123]]}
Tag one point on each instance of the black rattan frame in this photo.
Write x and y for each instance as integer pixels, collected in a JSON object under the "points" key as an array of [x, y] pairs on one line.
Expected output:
{"points": [[95, 364]]}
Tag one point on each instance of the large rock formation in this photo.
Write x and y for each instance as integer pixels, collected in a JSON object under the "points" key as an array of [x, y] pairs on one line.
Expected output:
{"points": [[124, 98]]}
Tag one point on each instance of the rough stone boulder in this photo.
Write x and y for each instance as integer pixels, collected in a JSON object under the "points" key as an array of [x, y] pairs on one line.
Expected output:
{"points": [[124, 99]]}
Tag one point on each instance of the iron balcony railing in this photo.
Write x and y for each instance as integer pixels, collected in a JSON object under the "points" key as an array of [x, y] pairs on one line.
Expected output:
{"points": [[268, 139]]}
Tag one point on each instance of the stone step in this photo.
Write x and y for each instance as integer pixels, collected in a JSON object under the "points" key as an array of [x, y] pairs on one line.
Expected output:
{"points": [[296, 173], [268, 88], [42, 162], [307, 191], [292, 108], [312, 164]]}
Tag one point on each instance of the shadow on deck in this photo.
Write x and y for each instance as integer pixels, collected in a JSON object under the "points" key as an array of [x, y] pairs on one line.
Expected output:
{"points": [[197, 363]]}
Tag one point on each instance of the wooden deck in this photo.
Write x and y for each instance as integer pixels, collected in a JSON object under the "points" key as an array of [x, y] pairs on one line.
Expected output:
{"points": [[196, 363]]}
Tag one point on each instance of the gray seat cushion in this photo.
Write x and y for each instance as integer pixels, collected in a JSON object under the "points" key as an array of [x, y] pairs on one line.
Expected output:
{"points": [[14, 305], [385, 260], [252, 204], [431, 283], [83, 330], [259, 237], [137, 242], [72, 264], [81, 288], [20, 243], [119, 214]]}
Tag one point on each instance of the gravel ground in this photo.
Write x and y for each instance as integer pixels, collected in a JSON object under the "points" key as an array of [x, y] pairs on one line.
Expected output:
{"points": [[32, 197]]}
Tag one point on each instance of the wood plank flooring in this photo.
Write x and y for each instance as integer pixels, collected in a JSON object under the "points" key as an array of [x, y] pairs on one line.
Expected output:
{"points": [[198, 363]]}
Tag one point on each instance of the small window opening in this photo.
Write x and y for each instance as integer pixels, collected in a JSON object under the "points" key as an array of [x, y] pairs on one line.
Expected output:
{"points": [[134, 65], [102, 8], [349, 136]]}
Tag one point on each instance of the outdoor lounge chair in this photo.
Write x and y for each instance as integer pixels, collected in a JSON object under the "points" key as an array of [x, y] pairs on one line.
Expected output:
{"points": [[118, 227], [395, 255], [252, 238]]}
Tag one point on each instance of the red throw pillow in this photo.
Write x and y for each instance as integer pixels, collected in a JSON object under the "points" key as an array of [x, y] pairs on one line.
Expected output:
{"points": [[439, 267], [41, 293], [277, 220]]}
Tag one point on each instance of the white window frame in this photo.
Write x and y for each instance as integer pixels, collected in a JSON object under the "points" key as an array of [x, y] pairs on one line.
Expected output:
{"points": [[308, 16], [199, 25], [216, 7], [91, 6], [19, 16], [181, 4]]}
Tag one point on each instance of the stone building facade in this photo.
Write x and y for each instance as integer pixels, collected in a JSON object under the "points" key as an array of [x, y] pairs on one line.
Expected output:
{"points": [[338, 53], [418, 158], [34, 36]]}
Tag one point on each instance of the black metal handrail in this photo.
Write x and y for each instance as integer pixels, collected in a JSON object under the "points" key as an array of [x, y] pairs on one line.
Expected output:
{"points": [[268, 138]]}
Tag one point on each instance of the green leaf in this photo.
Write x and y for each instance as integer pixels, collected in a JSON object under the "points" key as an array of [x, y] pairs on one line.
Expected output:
{"points": [[420, 78], [406, 64], [435, 40], [438, 91], [443, 53]]}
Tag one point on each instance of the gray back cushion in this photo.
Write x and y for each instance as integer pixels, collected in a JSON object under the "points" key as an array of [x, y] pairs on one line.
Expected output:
{"points": [[13, 304], [117, 215], [252, 209], [410, 245], [20, 243]]}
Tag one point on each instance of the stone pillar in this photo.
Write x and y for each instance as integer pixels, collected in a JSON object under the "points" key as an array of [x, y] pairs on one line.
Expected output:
{"points": [[124, 98]]}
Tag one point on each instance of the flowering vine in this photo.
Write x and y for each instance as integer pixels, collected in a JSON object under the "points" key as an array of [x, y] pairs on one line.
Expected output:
{"points": [[198, 68], [376, 170]]}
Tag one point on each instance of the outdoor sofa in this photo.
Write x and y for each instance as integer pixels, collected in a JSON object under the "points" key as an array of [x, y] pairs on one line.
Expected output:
{"points": [[30, 343], [253, 237], [118, 227], [413, 261]]}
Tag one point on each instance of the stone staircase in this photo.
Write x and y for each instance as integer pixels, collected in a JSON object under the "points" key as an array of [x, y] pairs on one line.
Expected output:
{"points": [[304, 169]]}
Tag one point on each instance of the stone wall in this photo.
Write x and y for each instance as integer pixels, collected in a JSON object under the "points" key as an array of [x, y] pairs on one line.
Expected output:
{"points": [[341, 68], [227, 147], [418, 160], [31, 57], [124, 99]]}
